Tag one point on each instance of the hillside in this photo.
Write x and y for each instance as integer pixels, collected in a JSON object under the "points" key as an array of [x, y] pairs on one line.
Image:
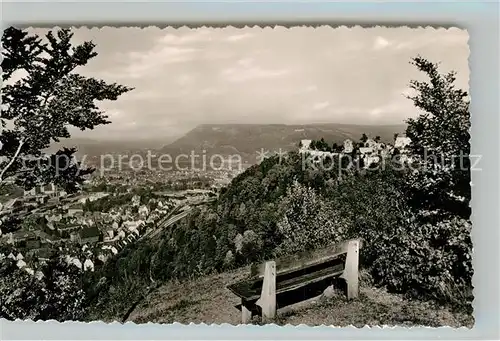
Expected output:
{"points": [[206, 300], [277, 208], [247, 139]]}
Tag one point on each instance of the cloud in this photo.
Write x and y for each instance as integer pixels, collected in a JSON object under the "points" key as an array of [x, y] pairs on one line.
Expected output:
{"points": [[252, 73], [211, 91], [185, 77], [238, 37], [321, 105], [310, 88], [245, 69], [189, 38], [381, 43], [140, 64]]}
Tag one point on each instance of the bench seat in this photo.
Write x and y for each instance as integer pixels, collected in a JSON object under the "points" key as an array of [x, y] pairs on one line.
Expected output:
{"points": [[250, 290]]}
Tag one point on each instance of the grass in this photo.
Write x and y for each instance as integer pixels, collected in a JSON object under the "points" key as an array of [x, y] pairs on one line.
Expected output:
{"points": [[206, 300]]}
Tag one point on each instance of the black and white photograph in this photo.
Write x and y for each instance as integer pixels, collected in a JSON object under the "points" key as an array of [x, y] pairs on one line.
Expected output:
{"points": [[311, 175]]}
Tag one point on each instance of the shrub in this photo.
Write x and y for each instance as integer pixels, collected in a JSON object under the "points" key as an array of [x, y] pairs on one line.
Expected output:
{"points": [[58, 295], [249, 245], [431, 259], [307, 222]]}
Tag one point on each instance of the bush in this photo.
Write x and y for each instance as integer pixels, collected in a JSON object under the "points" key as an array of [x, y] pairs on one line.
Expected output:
{"points": [[431, 260], [307, 222]]}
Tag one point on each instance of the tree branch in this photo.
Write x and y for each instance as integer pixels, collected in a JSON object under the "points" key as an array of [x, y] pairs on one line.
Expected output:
{"points": [[16, 154]]}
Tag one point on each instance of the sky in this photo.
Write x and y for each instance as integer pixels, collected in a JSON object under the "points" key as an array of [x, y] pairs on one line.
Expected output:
{"points": [[185, 77]]}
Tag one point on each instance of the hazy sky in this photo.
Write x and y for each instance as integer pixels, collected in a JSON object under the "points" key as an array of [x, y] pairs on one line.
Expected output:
{"points": [[185, 77]]}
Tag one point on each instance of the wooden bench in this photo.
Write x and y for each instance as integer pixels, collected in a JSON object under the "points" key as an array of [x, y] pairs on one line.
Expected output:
{"points": [[273, 280]]}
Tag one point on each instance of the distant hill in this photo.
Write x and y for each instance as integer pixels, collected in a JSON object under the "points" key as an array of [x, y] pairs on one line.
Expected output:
{"points": [[96, 148], [247, 139]]}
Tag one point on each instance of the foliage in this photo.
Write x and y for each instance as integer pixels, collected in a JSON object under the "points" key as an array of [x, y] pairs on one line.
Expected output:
{"points": [[248, 246], [43, 103], [34, 222], [307, 222], [433, 260], [58, 295], [440, 145]]}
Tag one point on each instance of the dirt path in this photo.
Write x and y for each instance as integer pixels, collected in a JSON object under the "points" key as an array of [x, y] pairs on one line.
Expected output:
{"points": [[206, 300]]}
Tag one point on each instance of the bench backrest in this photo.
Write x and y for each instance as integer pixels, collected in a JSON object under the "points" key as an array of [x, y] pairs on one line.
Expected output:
{"points": [[299, 261]]}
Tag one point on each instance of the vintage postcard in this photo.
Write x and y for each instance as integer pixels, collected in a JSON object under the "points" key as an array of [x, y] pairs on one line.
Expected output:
{"points": [[305, 175]]}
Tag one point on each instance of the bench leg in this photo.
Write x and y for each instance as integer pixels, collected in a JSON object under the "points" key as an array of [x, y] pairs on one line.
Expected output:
{"points": [[246, 314], [267, 300], [351, 269]]}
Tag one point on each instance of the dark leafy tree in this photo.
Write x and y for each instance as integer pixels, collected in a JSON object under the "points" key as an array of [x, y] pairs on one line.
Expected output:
{"points": [[440, 144], [57, 295], [47, 99], [322, 145], [363, 138]]}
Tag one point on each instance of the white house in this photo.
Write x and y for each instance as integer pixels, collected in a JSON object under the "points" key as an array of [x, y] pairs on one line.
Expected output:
{"points": [[136, 200], [88, 265], [143, 210], [348, 146], [73, 261], [365, 151], [401, 142], [21, 264], [304, 145], [110, 233]]}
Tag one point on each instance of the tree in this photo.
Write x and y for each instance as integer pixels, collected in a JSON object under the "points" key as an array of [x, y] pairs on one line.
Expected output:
{"points": [[312, 145], [322, 145], [440, 144], [377, 138], [363, 138], [57, 295], [38, 108]]}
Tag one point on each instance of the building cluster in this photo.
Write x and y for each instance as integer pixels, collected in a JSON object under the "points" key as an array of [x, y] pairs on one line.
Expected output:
{"points": [[36, 197], [369, 151], [85, 237], [68, 227], [180, 179]]}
